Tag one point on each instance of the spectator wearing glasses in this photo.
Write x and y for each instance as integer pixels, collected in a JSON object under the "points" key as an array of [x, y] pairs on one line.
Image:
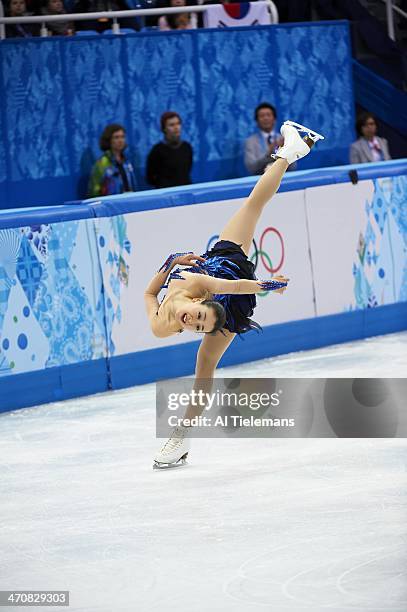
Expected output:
{"points": [[368, 147], [266, 140]]}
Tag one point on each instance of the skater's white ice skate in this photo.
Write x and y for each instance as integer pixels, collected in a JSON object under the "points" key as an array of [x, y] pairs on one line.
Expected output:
{"points": [[175, 451], [295, 147], [301, 128]]}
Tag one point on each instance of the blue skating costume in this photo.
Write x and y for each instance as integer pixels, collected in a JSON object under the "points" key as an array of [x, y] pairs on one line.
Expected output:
{"points": [[228, 260]]}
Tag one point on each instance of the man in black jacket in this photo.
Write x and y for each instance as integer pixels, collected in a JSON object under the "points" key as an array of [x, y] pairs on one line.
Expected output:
{"points": [[169, 162]]}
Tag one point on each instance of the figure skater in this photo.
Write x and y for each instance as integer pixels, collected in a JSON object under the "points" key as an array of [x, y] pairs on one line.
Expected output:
{"points": [[215, 296]]}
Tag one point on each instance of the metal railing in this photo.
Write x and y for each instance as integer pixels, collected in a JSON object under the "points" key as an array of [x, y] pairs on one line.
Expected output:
{"points": [[111, 15], [2, 26], [390, 7]]}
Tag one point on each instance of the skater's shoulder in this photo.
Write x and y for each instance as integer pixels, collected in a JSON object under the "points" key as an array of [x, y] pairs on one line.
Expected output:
{"points": [[163, 323], [161, 328]]}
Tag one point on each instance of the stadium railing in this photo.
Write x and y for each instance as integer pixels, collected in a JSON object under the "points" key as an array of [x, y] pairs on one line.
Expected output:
{"points": [[110, 15]]}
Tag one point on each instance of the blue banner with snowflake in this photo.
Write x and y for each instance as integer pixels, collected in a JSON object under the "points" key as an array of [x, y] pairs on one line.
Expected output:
{"points": [[358, 241], [61, 92], [55, 309]]}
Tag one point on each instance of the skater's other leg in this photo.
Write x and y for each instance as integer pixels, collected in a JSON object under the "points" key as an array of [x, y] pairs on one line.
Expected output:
{"points": [[210, 352], [241, 227]]}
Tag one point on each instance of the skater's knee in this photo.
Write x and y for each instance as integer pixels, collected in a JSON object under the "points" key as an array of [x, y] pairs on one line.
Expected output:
{"points": [[206, 370], [206, 364]]}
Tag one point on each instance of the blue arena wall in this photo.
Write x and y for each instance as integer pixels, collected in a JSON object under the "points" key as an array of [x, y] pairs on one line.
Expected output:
{"points": [[61, 92], [64, 276]]}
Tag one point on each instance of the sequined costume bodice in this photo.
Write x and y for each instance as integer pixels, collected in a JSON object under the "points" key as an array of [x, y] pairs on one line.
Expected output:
{"points": [[227, 260]]}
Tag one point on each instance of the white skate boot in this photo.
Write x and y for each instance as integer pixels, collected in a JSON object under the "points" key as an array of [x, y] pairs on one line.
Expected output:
{"points": [[295, 147], [175, 450]]}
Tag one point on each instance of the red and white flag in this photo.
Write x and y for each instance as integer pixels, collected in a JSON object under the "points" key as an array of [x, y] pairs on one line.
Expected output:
{"points": [[232, 15]]}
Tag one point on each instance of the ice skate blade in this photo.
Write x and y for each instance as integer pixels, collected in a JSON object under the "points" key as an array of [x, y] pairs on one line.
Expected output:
{"points": [[157, 465], [311, 133]]}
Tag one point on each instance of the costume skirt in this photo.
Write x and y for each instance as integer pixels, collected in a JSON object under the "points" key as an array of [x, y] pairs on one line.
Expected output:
{"points": [[228, 260]]}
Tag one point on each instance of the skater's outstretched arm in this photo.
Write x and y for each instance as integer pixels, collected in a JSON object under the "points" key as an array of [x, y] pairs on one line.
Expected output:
{"points": [[199, 283]]}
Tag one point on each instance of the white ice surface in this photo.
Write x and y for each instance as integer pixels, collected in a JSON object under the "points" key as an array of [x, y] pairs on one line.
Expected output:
{"points": [[248, 525]]}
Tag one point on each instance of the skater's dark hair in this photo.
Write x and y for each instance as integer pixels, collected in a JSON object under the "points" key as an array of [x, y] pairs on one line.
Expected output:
{"points": [[220, 315], [362, 119], [106, 137], [265, 105]]}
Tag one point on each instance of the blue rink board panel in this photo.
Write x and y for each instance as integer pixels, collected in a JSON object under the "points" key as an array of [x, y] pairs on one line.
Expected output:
{"points": [[62, 92], [65, 382], [53, 384]]}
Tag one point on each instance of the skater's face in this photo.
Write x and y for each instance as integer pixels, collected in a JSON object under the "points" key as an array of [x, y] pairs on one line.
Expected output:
{"points": [[265, 119], [369, 128], [196, 317]]}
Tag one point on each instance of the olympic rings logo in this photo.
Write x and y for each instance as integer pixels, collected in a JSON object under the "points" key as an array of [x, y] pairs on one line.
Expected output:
{"points": [[260, 254]]}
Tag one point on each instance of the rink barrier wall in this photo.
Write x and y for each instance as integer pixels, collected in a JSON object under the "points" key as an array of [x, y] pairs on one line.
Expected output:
{"points": [[110, 206], [175, 361], [66, 382], [238, 188], [106, 370]]}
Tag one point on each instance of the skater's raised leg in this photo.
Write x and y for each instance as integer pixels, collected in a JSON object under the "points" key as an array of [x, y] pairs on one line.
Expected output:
{"points": [[241, 227]]}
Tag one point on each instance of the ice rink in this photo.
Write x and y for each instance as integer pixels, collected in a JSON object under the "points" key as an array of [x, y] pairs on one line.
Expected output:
{"points": [[248, 525]]}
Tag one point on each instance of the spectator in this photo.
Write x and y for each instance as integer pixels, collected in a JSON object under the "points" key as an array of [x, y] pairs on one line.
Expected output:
{"points": [[112, 173], [100, 6], [96, 6], [179, 21], [368, 147], [264, 142], [169, 162], [17, 8], [57, 28]]}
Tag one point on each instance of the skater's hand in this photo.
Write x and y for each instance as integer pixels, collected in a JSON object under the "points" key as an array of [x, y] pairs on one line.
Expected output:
{"points": [[281, 279], [277, 284], [188, 259], [180, 259]]}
